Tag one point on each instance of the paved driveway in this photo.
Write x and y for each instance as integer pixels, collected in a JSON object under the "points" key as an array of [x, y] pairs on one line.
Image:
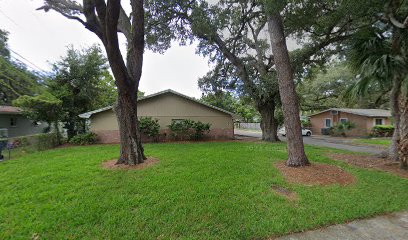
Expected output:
{"points": [[393, 226], [318, 142]]}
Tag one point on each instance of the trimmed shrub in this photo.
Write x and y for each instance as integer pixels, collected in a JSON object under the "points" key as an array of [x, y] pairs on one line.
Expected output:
{"points": [[200, 129], [84, 139], [188, 129], [47, 141], [149, 126], [382, 131], [306, 122], [181, 129], [341, 128]]}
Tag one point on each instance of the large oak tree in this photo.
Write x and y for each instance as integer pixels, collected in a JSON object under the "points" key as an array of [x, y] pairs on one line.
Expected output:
{"points": [[106, 20]]}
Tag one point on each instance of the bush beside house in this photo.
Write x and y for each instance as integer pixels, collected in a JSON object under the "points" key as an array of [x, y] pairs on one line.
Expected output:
{"points": [[150, 128], [84, 139], [382, 131], [188, 129]]}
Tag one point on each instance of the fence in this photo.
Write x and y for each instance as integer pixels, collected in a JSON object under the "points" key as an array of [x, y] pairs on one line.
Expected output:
{"points": [[18, 146], [256, 126]]}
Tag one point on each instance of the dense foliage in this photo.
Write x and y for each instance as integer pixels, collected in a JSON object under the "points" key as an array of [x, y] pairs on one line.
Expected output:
{"points": [[241, 106], [82, 82], [188, 129], [329, 87], [15, 79], [340, 129], [44, 107], [382, 131], [149, 126], [84, 139]]}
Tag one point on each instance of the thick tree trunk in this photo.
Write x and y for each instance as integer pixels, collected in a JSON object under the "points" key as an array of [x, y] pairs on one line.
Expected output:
{"points": [[403, 134], [268, 124], [127, 77], [395, 111], [102, 18], [289, 99], [131, 148]]}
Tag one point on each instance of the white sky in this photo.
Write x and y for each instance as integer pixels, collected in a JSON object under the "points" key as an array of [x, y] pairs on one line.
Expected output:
{"points": [[42, 38]]}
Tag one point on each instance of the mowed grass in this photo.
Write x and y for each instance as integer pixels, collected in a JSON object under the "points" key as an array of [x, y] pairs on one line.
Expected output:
{"points": [[374, 141], [196, 191]]}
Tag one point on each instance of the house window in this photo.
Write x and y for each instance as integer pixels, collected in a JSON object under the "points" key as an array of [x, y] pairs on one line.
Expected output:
{"points": [[13, 122], [343, 120], [327, 122], [378, 121]]}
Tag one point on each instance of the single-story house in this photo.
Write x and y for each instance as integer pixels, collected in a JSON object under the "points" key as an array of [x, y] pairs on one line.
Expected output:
{"points": [[166, 106], [364, 120], [14, 124]]}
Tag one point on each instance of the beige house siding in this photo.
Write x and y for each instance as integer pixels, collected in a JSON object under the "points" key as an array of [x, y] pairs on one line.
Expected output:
{"points": [[363, 124], [165, 108]]}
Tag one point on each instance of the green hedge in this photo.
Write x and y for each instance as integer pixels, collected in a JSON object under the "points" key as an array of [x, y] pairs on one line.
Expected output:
{"points": [[84, 139], [149, 127], [382, 131], [189, 129]]}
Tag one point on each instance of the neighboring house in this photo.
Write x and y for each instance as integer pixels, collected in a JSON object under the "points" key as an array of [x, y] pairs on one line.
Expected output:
{"points": [[166, 106], [364, 120], [16, 124]]}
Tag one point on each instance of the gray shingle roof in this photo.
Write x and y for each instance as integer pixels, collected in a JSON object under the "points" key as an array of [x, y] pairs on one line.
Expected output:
{"points": [[361, 112], [10, 110], [89, 114]]}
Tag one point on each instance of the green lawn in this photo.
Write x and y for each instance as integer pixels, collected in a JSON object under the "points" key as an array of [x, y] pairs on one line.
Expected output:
{"points": [[374, 141], [197, 191]]}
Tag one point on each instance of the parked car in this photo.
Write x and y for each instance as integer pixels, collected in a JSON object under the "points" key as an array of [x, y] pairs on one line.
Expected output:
{"points": [[305, 132]]}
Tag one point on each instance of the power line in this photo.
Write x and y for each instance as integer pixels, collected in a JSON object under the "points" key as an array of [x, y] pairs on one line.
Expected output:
{"points": [[37, 67], [9, 18]]}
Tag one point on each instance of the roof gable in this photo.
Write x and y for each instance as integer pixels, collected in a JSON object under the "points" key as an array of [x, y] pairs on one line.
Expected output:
{"points": [[168, 91], [360, 112]]}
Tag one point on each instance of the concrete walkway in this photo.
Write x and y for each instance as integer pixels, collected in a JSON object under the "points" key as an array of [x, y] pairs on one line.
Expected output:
{"points": [[322, 142], [393, 226]]}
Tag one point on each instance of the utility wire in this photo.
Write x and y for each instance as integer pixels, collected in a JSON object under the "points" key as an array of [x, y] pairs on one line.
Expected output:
{"points": [[38, 68], [9, 18]]}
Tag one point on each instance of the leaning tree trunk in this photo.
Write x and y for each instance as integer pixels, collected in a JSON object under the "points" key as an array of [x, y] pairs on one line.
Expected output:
{"points": [[403, 134], [268, 124], [395, 111], [289, 99]]}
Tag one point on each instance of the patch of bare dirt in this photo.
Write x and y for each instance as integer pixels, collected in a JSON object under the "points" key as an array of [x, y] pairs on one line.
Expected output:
{"points": [[292, 196], [111, 165], [365, 161], [315, 174]]}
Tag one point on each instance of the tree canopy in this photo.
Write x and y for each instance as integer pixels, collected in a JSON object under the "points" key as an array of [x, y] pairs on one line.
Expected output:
{"points": [[15, 79], [82, 82]]}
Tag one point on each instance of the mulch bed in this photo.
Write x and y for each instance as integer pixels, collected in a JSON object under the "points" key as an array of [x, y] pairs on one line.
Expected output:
{"points": [[365, 161], [315, 174], [111, 165]]}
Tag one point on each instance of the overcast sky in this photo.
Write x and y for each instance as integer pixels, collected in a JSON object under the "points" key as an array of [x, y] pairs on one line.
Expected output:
{"points": [[41, 38]]}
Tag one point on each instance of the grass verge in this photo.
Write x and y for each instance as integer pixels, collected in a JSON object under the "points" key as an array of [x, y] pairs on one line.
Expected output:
{"points": [[216, 190]]}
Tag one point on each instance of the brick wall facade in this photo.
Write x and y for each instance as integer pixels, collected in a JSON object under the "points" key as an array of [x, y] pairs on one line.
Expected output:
{"points": [[112, 136]]}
